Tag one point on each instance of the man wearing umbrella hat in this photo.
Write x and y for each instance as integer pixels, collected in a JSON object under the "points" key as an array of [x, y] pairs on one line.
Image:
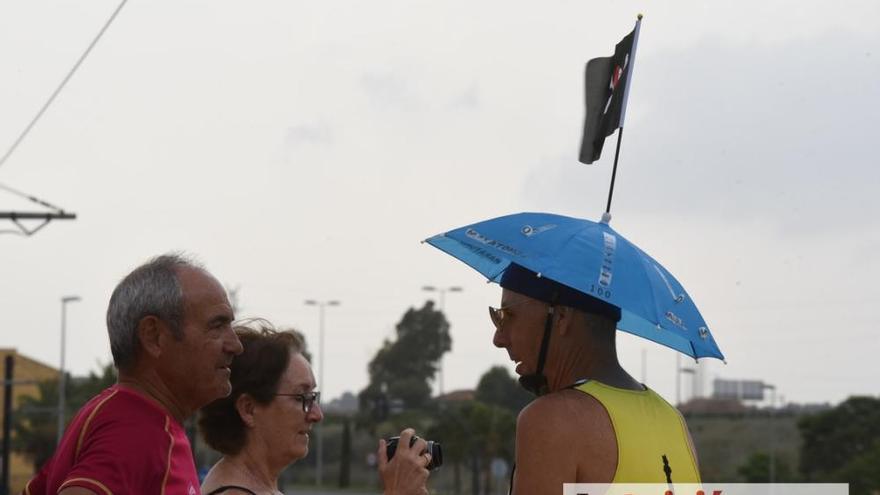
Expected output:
{"points": [[592, 421], [568, 285]]}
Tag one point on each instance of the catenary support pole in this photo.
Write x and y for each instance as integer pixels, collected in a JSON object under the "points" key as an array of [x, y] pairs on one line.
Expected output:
{"points": [[7, 424]]}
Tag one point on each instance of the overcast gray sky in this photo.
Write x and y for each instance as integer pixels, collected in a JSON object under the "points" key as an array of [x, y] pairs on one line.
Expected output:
{"points": [[303, 149]]}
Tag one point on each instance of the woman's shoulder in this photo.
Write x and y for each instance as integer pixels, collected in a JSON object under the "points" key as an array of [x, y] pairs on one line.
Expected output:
{"points": [[229, 490], [222, 480]]}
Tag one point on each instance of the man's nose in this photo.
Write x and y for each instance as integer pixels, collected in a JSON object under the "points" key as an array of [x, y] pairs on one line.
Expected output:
{"points": [[499, 339], [233, 344]]}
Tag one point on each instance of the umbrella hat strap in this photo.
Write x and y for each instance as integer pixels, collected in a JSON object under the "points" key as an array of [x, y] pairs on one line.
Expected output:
{"points": [[537, 382], [545, 341]]}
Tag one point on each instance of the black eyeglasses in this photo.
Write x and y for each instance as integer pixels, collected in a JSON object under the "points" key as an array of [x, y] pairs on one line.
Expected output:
{"points": [[307, 400]]}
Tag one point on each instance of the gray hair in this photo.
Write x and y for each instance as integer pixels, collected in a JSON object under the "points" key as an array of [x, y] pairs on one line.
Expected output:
{"points": [[152, 289]]}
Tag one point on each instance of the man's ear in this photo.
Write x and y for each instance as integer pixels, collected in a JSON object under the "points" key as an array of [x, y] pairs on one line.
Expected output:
{"points": [[151, 335], [564, 316], [245, 405]]}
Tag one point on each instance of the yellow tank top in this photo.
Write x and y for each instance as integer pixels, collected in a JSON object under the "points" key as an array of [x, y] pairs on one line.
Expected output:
{"points": [[647, 430]]}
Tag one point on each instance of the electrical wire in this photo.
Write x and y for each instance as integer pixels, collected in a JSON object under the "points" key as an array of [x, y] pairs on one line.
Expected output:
{"points": [[31, 198], [79, 62]]}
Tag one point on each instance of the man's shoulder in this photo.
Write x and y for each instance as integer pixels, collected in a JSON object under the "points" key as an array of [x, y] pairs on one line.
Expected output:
{"points": [[123, 441], [563, 404], [120, 408], [564, 436], [564, 413]]}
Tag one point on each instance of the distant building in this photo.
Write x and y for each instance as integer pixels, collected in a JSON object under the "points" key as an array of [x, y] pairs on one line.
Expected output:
{"points": [[799, 409], [714, 407], [346, 405], [29, 372], [739, 389], [458, 396]]}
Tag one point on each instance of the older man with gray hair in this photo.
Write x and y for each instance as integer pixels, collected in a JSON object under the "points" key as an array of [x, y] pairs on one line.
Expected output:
{"points": [[170, 328]]}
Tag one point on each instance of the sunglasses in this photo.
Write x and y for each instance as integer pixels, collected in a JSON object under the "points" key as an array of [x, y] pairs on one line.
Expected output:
{"points": [[307, 400], [498, 315]]}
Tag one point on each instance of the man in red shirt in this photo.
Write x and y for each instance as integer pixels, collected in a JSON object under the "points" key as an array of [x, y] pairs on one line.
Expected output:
{"points": [[170, 328]]}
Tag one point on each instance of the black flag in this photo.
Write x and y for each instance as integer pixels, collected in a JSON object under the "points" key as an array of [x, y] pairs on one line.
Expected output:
{"points": [[606, 90]]}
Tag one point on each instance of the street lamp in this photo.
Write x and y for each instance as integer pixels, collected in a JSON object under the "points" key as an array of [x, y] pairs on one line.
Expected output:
{"points": [[319, 465], [62, 379], [772, 389], [693, 373], [679, 369], [442, 291]]}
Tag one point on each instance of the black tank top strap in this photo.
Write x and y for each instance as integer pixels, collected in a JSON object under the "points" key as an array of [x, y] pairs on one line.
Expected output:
{"points": [[510, 485], [229, 487]]}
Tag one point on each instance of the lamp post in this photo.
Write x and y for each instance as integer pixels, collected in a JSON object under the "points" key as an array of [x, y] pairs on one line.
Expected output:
{"points": [[319, 465], [679, 369], [772, 389], [62, 378], [442, 292], [677, 379]]}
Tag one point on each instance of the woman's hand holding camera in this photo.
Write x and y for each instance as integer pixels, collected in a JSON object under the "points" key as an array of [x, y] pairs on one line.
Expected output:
{"points": [[406, 473]]}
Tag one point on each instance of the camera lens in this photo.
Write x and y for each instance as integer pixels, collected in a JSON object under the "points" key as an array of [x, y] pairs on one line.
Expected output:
{"points": [[433, 448]]}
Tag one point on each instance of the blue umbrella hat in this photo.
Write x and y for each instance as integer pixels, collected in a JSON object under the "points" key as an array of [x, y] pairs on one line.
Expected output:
{"points": [[586, 265]]}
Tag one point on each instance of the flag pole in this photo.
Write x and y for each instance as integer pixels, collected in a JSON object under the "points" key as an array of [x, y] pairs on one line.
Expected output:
{"points": [[614, 171], [623, 114]]}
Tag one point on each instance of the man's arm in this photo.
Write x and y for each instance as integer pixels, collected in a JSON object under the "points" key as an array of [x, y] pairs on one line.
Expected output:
{"points": [[565, 437]]}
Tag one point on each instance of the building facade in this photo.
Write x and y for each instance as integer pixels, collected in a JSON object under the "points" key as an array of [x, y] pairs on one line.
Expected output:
{"points": [[28, 373]]}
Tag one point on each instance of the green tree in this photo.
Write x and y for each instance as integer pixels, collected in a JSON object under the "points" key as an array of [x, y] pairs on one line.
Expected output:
{"points": [[863, 471], [401, 372], [455, 435], [345, 455], [472, 434], [757, 469], [497, 387], [843, 445], [84, 388], [35, 424]]}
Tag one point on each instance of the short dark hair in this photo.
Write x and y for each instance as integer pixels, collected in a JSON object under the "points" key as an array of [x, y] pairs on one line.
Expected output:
{"points": [[256, 372]]}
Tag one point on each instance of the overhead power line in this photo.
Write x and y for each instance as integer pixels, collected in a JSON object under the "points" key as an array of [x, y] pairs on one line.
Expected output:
{"points": [[30, 197], [45, 216], [61, 86], [58, 213]]}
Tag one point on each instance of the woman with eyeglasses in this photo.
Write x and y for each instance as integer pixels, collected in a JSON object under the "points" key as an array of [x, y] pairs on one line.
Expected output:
{"points": [[264, 424]]}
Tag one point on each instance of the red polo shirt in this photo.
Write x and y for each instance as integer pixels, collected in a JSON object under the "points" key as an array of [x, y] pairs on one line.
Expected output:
{"points": [[120, 442]]}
